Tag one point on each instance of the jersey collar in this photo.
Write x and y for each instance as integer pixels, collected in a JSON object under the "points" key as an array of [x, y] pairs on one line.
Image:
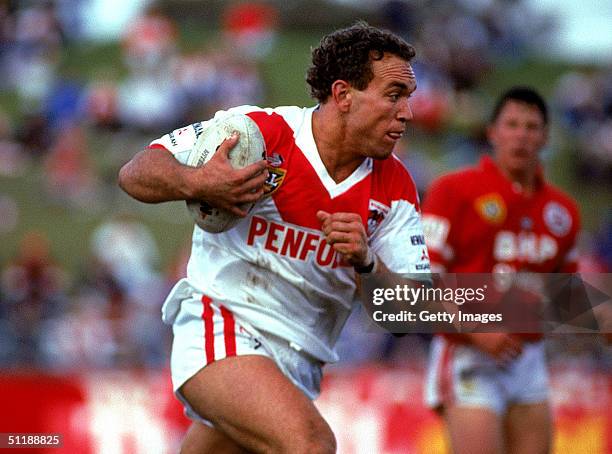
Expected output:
{"points": [[305, 141], [490, 166]]}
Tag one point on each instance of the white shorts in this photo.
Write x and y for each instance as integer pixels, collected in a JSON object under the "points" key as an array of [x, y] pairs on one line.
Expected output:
{"points": [[463, 375], [205, 331]]}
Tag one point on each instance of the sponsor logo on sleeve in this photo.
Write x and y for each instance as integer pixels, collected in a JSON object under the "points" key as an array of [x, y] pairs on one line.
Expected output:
{"points": [[424, 255], [198, 129], [417, 240], [172, 139]]}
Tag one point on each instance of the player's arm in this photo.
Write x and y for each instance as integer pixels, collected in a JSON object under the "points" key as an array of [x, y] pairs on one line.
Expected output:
{"points": [[154, 175]]}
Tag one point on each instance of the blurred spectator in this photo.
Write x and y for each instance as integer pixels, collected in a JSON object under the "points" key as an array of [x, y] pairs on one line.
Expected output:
{"points": [[150, 41], [150, 102], [70, 177], [251, 28], [240, 84], [80, 338], [63, 104], [126, 257], [128, 250], [585, 103], [576, 97], [100, 104], [198, 75], [34, 134], [37, 39], [70, 14], [149, 99], [34, 291]]}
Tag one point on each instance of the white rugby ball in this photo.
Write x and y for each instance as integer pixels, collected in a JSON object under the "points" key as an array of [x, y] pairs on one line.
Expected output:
{"points": [[249, 149]]}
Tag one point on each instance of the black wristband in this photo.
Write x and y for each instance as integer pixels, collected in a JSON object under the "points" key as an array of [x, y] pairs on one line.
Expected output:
{"points": [[365, 269]]}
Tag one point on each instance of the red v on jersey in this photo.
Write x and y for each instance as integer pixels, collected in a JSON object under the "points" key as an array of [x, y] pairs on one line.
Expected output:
{"points": [[303, 191]]}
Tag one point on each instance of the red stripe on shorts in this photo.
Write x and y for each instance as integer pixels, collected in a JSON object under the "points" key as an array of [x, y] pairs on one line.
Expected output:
{"points": [[209, 334], [229, 332]]}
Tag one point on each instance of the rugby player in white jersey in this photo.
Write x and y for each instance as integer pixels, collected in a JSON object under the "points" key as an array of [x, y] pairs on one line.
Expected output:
{"points": [[263, 303]]}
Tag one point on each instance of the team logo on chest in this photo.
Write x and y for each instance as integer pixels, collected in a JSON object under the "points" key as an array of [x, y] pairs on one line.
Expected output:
{"points": [[491, 208], [557, 218], [276, 175], [376, 213]]}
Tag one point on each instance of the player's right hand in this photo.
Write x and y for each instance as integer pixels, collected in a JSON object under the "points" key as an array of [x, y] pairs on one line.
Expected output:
{"points": [[223, 186], [501, 346]]}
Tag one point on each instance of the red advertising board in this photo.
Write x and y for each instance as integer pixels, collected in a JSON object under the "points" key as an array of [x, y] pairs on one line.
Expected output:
{"points": [[371, 409]]}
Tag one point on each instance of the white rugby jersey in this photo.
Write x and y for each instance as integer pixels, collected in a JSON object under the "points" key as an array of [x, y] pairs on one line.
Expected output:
{"points": [[274, 269]]}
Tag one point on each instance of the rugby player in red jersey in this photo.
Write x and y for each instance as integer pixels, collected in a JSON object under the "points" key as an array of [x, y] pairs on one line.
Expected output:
{"points": [[498, 216]]}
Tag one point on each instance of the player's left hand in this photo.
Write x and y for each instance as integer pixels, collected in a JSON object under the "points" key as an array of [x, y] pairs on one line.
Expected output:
{"points": [[346, 233]]}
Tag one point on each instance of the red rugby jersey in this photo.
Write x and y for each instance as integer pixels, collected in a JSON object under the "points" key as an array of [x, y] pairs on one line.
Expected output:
{"points": [[478, 221]]}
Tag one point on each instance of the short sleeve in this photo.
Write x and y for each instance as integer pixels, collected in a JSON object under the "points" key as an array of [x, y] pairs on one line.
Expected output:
{"points": [[180, 141], [399, 240], [439, 208]]}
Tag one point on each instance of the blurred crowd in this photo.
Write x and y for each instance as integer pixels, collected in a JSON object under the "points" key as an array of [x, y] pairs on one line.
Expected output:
{"points": [[107, 313]]}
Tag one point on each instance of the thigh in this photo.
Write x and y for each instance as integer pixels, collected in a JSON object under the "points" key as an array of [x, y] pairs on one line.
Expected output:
{"points": [[528, 428], [473, 430], [253, 403], [201, 438]]}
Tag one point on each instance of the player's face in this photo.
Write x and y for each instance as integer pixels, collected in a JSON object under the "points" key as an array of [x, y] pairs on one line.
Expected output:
{"points": [[378, 114], [517, 136]]}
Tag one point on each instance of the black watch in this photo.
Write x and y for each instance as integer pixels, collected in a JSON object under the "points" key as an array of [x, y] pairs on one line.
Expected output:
{"points": [[366, 268]]}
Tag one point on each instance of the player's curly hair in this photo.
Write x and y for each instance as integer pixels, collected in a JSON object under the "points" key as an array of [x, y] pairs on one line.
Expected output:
{"points": [[347, 54]]}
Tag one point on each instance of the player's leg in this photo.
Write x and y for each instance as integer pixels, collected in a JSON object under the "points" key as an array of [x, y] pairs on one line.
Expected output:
{"points": [[201, 439], [253, 403], [473, 430], [528, 422], [464, 386], [528, 429]]}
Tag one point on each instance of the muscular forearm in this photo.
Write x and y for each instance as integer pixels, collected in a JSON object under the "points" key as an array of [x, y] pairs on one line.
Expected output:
{"points": [[154, 176]]}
